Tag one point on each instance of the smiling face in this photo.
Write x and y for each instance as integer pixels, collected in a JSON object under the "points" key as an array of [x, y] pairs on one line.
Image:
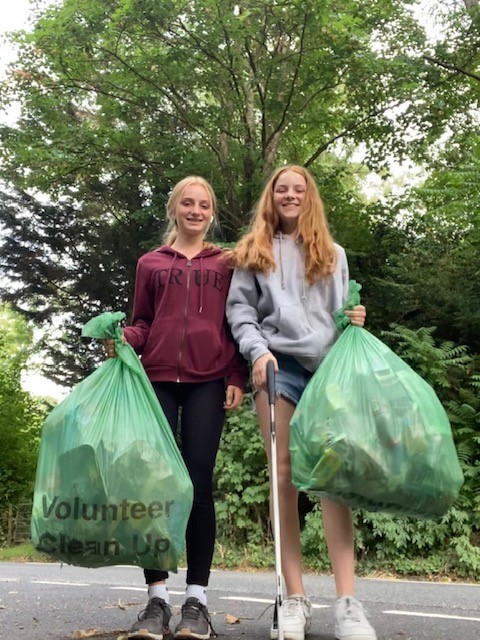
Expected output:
{"points": [[194, 211], [288, 196]]}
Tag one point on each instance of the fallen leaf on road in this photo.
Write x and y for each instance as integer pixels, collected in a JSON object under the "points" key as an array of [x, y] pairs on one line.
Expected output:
{"points": [[95, 633], [231, 619], [121, 604]]}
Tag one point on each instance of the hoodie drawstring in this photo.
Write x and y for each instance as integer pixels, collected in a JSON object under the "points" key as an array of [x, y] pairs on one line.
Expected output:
{"points": [[200, 309], [304, 294], [282, 279]]}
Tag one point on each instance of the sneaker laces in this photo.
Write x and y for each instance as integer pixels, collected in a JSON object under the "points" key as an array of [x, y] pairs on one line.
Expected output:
{"points": [[292, 605], [192, 611], [154, 607], [353, 610]]}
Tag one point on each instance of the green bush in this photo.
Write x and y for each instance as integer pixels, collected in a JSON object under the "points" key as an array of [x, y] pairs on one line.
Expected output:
{"points": [[241, 489]]}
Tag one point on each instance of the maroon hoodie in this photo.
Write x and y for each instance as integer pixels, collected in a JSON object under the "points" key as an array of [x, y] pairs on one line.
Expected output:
{"points": [[179, 325]]}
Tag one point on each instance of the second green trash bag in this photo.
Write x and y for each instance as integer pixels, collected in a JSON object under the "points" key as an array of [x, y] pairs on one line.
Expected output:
{"points": [[369, 432], [111, 486]]}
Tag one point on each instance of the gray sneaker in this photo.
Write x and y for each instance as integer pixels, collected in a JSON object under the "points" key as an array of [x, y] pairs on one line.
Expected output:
{"points": [[351, 622], [152, 622], [195, 621]]}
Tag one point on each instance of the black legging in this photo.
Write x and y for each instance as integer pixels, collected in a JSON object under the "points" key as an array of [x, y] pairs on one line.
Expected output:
{"points": [[201, 427]]}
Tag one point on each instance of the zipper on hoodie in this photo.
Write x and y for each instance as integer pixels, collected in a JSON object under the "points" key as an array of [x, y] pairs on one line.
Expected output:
{"points": [[184, 322]]}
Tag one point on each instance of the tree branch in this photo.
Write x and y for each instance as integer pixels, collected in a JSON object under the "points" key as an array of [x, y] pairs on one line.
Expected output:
{"points": [[354, 125], [452, 67]]}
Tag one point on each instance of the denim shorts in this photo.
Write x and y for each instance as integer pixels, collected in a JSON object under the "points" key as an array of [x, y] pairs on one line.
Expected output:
{"points": [[291, 379]]}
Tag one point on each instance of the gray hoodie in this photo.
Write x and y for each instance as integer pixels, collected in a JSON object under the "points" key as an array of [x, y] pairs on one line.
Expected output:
{"points": [[281, 312]]}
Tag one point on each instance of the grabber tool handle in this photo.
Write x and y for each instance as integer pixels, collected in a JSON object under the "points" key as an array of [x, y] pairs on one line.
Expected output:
{"points": [[271, 382]]}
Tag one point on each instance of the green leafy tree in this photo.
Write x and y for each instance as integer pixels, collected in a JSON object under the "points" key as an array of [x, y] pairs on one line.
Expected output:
{"points": [[20, 414], [67, 262], [125, 96], [120, 99], [425, 265]]}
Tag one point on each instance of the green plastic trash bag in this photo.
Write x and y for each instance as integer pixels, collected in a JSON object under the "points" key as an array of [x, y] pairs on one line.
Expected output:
{"points": [[111, 486], [370, 433]]}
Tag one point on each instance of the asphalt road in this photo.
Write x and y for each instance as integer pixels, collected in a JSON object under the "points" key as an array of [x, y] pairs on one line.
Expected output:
{"points": [[58, 602]]}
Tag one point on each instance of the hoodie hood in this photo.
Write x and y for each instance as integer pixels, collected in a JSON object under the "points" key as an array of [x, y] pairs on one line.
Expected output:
{"points": [[204, 253]]}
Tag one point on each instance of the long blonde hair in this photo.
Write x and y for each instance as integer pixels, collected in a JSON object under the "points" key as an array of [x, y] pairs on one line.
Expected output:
{"points": [[172, 230], [255, 250]]}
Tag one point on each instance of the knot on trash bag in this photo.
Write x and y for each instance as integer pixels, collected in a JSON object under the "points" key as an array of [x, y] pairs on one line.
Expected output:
{"points": [[353, 299], [104, 326]]}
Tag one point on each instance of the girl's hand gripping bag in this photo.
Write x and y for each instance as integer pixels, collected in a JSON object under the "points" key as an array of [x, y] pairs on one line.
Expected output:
{"points": [[111, 486], [369, 432]]}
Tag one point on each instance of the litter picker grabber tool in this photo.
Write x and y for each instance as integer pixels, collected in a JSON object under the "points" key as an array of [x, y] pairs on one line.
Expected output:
{"points": [[278, 616]]}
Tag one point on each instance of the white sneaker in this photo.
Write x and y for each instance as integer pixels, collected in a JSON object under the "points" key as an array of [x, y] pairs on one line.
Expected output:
{"points": [[297, 618], [351, 622]]}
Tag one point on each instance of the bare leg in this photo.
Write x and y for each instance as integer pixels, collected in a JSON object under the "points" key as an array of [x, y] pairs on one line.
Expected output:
{"points": [[338, 529], [288, 494]]}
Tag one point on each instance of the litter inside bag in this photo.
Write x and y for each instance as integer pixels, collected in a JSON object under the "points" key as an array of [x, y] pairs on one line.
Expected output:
{"points": [[111, 486], [371, 433]]}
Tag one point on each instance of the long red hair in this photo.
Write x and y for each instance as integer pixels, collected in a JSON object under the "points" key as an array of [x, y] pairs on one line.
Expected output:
{"points": [[255, 250]]}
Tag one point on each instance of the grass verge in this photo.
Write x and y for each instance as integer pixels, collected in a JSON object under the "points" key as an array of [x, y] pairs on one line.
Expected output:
{"points": [[21, 553]]}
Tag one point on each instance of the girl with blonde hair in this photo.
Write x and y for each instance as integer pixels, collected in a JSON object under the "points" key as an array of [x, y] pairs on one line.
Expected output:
{"points": [[290, 277], [180, 330]]}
